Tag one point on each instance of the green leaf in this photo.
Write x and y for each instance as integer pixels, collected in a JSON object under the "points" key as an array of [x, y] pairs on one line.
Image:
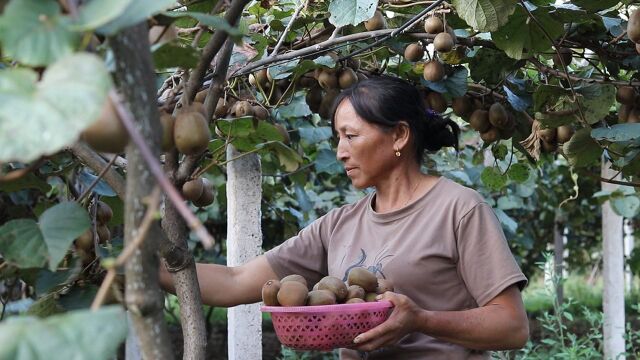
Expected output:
{"points": [[351, 12], [597, 100], [81, 334], [510, 202], [136, 12], [518, 173], [327, 162], [60, 225], [236, 127], [626, 206], [289, 158], [170, 55], [490, 65], [617, 133], [595, 6], [22, 244], [493, 179], [485, 15], [297, 108], [522, 33], [582, 150], [454, 84], [29, 181], [35, 33], [49, 115], [212, 21], [268, 132], [99, 12], [312, 135]]}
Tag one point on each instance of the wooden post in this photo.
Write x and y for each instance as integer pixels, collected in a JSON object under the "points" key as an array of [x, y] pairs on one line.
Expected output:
{"points": [[244, 242], [613, 274]]}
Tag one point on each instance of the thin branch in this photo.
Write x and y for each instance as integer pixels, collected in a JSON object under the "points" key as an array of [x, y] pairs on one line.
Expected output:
{"points": [[96, 180], [97, 163], [149, 217], [286, 29], [618, 182], [546, 69], [156, 169]]}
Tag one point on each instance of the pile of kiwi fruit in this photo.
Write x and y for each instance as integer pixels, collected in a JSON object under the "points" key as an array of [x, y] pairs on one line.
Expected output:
{"points": [[293, 290]]}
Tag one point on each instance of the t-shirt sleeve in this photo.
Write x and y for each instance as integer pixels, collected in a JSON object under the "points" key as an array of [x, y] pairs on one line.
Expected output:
{"points": [[485, 262], [304, 254]]}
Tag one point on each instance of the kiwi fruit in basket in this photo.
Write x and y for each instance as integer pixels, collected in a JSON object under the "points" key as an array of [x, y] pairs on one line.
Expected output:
{"points": [[292, 293], [354, 301], [355, 292], [364, 278], [270, 292], [295, 277], [370, 297], [321, 297], [334, 285], [384, 285]]}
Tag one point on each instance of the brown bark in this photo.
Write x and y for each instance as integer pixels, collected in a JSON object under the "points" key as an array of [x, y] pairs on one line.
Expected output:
{"points": [[143, 297], [95, 162]]}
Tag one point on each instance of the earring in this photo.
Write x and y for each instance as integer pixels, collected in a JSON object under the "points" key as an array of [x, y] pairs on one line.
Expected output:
{"points": [[398, 153]]}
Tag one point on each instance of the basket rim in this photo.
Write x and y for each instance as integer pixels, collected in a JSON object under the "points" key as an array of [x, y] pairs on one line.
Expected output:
{"points": [[377, 305]]}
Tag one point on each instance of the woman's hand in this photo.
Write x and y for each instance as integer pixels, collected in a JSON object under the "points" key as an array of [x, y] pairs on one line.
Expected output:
{"points": [[404, 319]]}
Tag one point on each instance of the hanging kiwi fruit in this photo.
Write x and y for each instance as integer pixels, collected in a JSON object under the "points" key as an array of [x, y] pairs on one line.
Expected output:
{"points": [[260, 112], [479, 121], [207, 196], [377, 22], [414, 52], [626, 95], [85, 241], [462, 106], [433, 25], [633, 26], [191, 133], [548, 135], [106, 134], [167, 122], [347, 78], [564, 134], [437, 101], [433, 71], [491, 135], [327, 79], [565, 57], [192, 190], [103, 213], [443, 42], [241, 109], [499, 117]]}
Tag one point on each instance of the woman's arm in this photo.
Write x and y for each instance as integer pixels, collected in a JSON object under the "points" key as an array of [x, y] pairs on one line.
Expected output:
{"points": [[228, 286], [498, 325]]}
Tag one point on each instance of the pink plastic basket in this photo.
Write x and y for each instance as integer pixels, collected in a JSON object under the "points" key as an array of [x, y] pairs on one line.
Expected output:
{"points": [[325, 327]]}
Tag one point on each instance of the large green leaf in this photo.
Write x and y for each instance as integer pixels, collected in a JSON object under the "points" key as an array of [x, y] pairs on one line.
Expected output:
{"points": [[598, 98], [626, 206], [135, 12], [99, 12], [493, 179], [490, 65], [76, 335], [521, 33], [351, 12], [22, 244], [618, 132], [34, 32], [170, 55], [595, 6], [485, 15], [60, 225], [582, 150], [48, 115]]}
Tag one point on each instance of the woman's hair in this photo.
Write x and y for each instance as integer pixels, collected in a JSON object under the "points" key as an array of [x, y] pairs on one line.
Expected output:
{"points": [[386, 100]]}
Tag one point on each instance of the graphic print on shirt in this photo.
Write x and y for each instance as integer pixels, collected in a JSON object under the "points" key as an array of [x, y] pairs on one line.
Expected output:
{"points": [[375, 268]]}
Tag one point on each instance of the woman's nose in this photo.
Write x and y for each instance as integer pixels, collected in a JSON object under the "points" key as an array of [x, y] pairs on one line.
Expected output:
{"points": [[341, 153]]}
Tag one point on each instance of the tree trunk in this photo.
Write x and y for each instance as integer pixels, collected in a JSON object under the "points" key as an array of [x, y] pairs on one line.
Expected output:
{"points": [[144, 299], [244, 242], [613, 275]]}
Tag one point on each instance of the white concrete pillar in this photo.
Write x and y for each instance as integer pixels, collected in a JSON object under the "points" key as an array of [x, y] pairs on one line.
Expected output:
{"points": [[244, 242], [629, 241], [613, 274]]}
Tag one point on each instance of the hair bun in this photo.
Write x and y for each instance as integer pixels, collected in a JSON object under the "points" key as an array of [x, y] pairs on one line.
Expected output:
{"points": [[440, 132]]}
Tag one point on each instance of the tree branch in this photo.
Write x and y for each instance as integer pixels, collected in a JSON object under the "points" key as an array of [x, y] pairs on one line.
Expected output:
{"points": [[96, 180], [97, 163], [286, 29]]}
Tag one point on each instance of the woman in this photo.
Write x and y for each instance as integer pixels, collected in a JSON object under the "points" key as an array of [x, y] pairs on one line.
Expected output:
{"points": [[457, 286]]}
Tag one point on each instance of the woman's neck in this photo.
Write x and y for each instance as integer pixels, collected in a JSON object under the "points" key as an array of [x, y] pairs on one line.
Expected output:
{"points": [[401, 188]]}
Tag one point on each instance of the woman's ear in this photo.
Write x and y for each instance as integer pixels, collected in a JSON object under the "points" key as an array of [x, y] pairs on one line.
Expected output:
{"points": [[401, 135]]}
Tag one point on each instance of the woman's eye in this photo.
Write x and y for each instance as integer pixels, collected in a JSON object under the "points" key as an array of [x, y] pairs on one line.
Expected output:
{"points": [[349, 136]]}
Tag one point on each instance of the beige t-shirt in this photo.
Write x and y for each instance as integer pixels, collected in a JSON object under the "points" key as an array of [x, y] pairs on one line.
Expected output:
{"points": [[445, 251]]}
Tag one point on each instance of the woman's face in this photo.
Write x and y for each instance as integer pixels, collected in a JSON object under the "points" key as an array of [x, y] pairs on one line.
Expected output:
{"points": [[365, 149]]}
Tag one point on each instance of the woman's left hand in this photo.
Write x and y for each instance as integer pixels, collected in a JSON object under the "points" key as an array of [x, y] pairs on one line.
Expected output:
{"points": [[404, 319]]}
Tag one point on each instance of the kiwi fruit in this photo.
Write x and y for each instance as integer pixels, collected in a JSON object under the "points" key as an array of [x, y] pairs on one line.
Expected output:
{"points": [[321, 297], [384, 285], [334, 285], [565, 55], [314, 98], [201, 96], [433, 25], [354, 301], [191, 133], [414, 52], [241, 109], [159, 34], [106, 134], [507, 133], [548, 135], [260, 77], [479, 121], [491, 135], [364, 278], [634, 115], [103, 213], [270, 293], [192, 190], [355, 291], [623, 113], [433, 71], [498, 116], [327, 80], [370, 297], [462, 106], [626, 95], [104, 234], [638, 48], [283, 131], [292, 293], [207, 196], [437, 101], [443, 42], [315, 287], [85, 240], [222, 108], [549, 147], [633, 26], [565, 132], [327, 103], [294, 277], [347, 78], [260, 113], [167, 121], [377, 22]]}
